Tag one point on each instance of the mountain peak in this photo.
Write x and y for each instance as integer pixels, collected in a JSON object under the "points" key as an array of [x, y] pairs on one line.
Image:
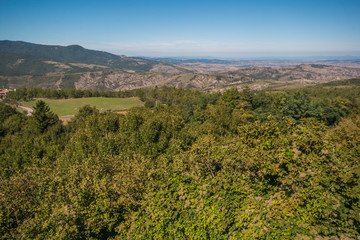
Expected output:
{"points": [[75, 47]]}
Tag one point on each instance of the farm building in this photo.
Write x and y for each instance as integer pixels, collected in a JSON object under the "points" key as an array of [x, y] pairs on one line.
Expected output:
{"points": [[3, 92]]}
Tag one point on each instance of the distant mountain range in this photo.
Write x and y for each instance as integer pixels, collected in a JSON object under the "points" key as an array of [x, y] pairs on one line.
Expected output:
{"points": [[28, 65]]}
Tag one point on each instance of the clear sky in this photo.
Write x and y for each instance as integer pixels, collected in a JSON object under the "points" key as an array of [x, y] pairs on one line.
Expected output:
{"points": [[222, 28]]}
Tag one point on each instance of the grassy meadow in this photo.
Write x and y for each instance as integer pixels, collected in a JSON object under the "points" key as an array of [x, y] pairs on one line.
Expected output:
{"points": [[65, 107]]}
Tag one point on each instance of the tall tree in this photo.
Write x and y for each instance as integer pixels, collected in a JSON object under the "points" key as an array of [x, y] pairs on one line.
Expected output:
{"points": [[43, 116]]}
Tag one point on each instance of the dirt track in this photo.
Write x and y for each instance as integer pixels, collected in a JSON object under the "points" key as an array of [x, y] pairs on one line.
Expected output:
{"points": [[29, 110]]}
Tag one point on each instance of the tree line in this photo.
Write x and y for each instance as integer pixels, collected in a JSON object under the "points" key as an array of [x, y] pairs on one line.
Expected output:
{"points": [[326, 105]]}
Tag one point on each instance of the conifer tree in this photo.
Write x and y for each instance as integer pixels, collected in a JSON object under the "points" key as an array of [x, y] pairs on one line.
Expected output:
{"points": [[43, 116]]}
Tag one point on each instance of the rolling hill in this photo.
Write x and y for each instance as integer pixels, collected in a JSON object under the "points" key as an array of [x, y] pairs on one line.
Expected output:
{"points": [[74, 67]]}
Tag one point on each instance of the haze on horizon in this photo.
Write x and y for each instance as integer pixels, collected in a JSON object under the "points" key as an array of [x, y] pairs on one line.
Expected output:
{"points": [[228, 29]]}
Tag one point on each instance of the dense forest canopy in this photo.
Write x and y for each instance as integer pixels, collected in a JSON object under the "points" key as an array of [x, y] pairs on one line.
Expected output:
{"points": [[188, 165]]}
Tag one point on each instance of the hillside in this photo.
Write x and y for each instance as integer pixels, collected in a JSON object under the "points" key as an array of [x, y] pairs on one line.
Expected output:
{"points": [[95, 77], [78, 54], [17, 65]]}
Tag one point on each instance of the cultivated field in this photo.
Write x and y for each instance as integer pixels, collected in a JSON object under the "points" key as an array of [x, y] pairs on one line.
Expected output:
{"points": [[65, 107]]}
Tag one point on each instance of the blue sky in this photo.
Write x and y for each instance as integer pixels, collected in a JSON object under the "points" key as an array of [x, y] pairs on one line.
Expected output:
{"points": [[224, 28]]}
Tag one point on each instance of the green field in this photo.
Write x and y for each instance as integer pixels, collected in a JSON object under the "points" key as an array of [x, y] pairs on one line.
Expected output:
{"points": [[64, 107]]}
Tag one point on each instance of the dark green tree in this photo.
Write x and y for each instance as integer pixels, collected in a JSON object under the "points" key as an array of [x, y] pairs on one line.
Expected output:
{"points": [[297, 106], [43, 116], [6, 111], [230, 98]]}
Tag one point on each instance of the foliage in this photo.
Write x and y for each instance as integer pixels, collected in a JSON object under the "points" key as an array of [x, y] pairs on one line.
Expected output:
{"points": [[237, 165]]}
